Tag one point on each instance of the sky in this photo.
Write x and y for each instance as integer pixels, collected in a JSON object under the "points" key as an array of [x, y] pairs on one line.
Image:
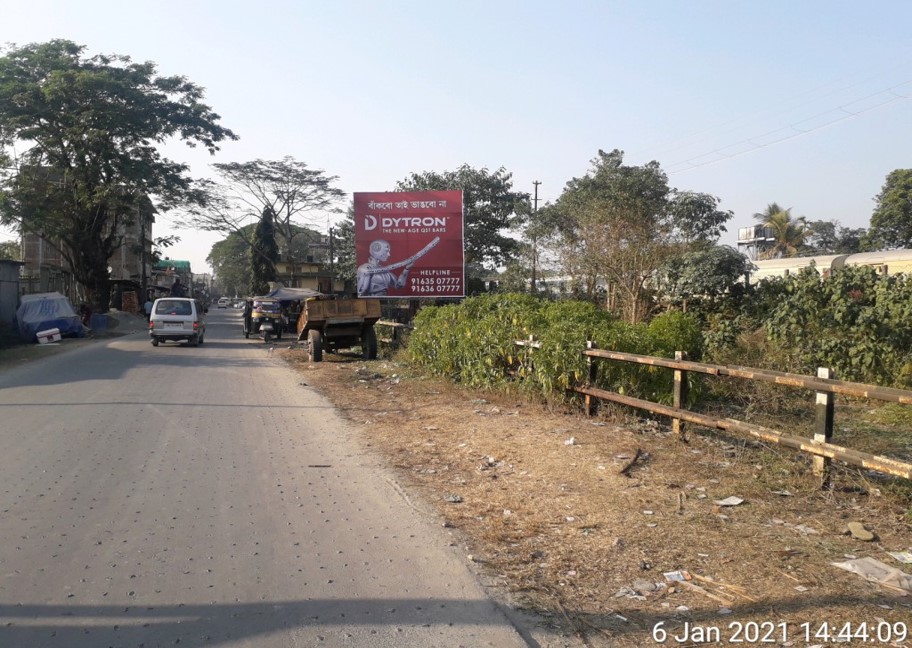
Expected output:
{"points": [[805, 103]]}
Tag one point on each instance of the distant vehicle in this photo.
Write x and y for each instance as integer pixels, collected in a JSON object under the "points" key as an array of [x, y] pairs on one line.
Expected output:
{"points": [[223, 302], [177, 318]]}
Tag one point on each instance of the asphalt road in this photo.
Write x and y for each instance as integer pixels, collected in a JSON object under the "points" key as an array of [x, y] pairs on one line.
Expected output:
{"points": [[205, 497]]}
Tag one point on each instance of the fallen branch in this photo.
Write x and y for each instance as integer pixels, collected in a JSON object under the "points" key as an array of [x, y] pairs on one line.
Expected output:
{"points": [[636, 457], [737, 590], [697, 588]]}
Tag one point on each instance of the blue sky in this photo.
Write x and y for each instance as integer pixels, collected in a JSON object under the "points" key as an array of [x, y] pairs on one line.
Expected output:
{"points": [[805, 103]]}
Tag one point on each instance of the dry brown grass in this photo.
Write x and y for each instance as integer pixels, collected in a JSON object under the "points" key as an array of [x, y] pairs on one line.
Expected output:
{"points": [[555, 525]]}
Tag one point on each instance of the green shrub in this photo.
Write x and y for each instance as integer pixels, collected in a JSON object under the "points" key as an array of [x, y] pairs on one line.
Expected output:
{"points": [[856, 321], [474, 343]]}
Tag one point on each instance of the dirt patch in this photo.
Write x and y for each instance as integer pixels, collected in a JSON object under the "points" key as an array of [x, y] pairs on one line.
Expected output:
{"points": [[579, 519]]}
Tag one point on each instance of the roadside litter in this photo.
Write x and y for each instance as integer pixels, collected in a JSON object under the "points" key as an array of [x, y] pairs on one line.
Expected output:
{"points": [[877, 572]]}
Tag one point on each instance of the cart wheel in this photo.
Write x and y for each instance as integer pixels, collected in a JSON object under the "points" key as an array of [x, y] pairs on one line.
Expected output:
{"points": [[315, 342], [368, 343], [154, 341]]}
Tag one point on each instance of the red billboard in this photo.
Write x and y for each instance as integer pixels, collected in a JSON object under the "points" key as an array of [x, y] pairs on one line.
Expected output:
{"points": [[409, 244]]}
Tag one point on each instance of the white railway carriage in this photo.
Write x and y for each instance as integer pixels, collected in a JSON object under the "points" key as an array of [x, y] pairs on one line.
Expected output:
{"points": [[769, 268], [885, 262]]}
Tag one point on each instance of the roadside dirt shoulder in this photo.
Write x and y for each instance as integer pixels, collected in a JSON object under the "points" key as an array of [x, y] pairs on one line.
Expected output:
{"points": [[578, 520], [118, 323]]}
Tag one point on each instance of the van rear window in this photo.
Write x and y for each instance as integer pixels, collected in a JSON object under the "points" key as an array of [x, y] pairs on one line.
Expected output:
{"points": [[173, 307]]}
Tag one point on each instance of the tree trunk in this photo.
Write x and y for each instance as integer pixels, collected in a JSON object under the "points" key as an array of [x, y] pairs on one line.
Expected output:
{"points": [[98, 287]]}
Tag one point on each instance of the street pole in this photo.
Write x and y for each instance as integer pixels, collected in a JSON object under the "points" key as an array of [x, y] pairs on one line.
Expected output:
{"points": [[332, 262], [534, 242], [144, 278]]}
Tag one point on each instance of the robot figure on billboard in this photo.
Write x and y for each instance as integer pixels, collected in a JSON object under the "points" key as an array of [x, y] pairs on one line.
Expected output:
{"points": [[375, 279]]}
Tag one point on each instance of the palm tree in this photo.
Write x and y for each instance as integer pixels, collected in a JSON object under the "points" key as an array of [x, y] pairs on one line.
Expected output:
{"points": [[788, 233]]}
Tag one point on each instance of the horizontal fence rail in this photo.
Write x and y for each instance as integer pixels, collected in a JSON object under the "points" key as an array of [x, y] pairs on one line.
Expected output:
{"points": [[823, 384], [823, 449], [829, 385]]}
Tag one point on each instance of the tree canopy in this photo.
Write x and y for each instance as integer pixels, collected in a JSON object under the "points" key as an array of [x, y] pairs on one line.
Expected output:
{"points": [[789, 232], [10, 250], [829, 237], [490, 206], [91, 127], [344, 249], [706, 276], [614, 227], [891, 222], [230, 261], [230, 257], [295, 193]]}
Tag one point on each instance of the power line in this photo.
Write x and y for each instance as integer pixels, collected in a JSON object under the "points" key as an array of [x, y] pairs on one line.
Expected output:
{"points": [[782, 105], [790, 132]]}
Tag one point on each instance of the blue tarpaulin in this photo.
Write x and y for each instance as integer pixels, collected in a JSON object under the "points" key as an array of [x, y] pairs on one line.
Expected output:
{"points": [[47, 311]]}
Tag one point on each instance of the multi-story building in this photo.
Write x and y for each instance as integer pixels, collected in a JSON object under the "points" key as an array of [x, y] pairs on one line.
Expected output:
{"points": [[164, 274], [45, 268], [309, 274]]}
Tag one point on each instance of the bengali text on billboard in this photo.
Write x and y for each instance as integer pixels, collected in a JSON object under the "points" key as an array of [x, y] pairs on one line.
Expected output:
{"points": [[409, 244]]}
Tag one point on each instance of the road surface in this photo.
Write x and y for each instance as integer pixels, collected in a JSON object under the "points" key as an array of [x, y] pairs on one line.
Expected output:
{"points": [[180, 496]]}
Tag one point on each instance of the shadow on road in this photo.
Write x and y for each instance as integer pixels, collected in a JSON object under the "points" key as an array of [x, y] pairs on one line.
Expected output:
{"points": [[192, 626]]}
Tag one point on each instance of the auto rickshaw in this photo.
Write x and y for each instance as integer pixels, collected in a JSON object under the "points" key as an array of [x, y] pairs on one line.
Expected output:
{"points": [[263, 316]]}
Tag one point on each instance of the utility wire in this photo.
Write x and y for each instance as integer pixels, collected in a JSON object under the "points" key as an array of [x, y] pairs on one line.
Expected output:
{"points": [[790, 132], [805, 98]]}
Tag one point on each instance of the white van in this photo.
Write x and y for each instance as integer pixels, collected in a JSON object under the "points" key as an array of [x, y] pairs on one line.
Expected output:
{"points": [[177, 318]]}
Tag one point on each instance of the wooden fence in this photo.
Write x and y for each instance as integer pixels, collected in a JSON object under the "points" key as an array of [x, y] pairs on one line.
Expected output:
{"points": [[825, 386]]}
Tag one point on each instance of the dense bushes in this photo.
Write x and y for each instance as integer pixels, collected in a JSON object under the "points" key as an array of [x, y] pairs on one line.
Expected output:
{"points": [[473, 342], [856, 321]]}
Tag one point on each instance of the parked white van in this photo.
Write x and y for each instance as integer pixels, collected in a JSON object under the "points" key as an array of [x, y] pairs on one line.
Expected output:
{"points": [[177, 318]]}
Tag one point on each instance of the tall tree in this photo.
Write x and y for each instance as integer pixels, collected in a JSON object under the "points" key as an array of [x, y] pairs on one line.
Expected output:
{"points": [[490, 206], [296, 194], [697, 217], [706, 277], [230, 258], [788, 233], [619, 224], [91, 126], [264, 252], [829, 237], [344, 250], [230, 262], [891, 222]]}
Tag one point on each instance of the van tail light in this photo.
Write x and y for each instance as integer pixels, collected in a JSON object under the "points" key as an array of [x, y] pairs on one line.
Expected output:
{"points": [[151, 325], [196, 326]]}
